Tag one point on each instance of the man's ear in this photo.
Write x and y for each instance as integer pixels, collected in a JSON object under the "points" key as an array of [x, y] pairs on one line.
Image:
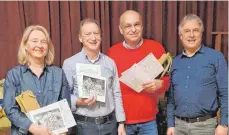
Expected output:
{"points": [[120, 29], [180, 36], [80, 38]]}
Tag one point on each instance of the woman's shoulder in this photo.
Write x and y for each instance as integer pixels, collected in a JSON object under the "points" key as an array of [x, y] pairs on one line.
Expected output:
{"points": [[54, 69], [17, 69]]}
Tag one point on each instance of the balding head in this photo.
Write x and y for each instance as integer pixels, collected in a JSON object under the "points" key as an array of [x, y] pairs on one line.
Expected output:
{"points": [[128, 13], [131, 27]]}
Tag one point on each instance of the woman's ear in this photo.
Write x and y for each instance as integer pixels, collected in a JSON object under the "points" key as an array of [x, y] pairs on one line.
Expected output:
{"points": [[80, 38]]}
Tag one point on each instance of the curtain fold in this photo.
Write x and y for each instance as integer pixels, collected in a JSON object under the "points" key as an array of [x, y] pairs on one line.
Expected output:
{"points": [[62, 18]]}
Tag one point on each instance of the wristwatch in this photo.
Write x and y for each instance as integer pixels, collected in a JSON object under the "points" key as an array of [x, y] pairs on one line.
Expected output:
{"points": [[121, 122]]}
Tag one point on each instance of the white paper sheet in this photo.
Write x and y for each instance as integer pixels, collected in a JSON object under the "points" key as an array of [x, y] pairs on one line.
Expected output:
{"points": [[57, 117], [86, 69], [147, 69]]}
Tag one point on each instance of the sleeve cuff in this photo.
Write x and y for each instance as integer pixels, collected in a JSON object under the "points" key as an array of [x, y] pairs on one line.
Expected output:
{"points": [[73, 102], [224, 120], [25, 129], [171, 123]]}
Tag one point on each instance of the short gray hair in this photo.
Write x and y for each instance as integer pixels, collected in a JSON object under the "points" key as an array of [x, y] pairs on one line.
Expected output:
{"points": [[88, 20], [191, 17]]}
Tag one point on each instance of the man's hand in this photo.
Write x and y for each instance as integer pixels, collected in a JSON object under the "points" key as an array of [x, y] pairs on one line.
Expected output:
{"points": [[39, 130], [220, 130], [152, 85], [121, 129], [86, 101], [171, 131]]}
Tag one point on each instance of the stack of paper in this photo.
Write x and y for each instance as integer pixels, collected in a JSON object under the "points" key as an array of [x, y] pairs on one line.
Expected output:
{"points": [[90, 81], [56, 116], [147, 69]]}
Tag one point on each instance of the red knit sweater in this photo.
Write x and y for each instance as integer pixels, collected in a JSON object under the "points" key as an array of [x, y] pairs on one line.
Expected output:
{"points": [[139, 107]]}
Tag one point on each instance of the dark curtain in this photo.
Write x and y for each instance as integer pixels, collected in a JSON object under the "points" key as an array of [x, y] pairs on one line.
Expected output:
{"points": [[62, 20]]}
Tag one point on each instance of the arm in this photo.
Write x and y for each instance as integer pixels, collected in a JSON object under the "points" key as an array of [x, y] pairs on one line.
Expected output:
{"points": [[69, 73], [120, 114], [11, 108], [157, 86], [170, 106], [222, 82], [74, 97], [119, 111], [65, 90], [165, 85]]}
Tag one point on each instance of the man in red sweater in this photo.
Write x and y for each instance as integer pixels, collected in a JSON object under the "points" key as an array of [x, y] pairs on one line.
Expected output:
{"points": [[140, 108]]}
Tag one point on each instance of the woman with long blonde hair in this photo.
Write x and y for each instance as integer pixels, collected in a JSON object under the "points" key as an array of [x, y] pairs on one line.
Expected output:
{"points": [[35, 72]]}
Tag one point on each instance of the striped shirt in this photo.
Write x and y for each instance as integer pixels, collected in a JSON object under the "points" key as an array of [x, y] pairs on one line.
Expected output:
{"points": [[129, 47], [113, 97]]}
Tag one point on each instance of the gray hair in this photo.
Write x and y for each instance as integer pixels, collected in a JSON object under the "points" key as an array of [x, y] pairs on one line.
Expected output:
{"points": [[191, 17], [88, 20]]}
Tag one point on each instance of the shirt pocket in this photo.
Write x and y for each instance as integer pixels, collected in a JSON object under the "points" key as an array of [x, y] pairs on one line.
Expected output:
{"points": [[53, 92], [205, 73]]}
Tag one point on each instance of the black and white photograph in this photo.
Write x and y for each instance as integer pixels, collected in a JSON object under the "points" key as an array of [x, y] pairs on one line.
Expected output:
{"points": [[94, 86], [51, 119]]}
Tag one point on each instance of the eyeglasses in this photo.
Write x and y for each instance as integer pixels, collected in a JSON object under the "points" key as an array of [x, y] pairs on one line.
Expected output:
{"points": [[36, 42], [129, 27]]}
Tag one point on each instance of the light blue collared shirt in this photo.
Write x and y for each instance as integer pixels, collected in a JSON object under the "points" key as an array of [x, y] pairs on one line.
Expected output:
{"points": [[113, 97]]}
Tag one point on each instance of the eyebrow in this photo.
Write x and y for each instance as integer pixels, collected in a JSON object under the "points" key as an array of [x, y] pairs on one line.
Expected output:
{"points": [[34, 38]]}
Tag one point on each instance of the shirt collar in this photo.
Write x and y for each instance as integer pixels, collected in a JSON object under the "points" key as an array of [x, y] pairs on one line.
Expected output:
{"points": [[200, 50], [86, 57], [129, 47], [26, 68]]}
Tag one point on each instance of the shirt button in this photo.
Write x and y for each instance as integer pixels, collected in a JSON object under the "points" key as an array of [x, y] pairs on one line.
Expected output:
{"points": [[188, 66], [186, 86], [187, 76], [39, 91]]}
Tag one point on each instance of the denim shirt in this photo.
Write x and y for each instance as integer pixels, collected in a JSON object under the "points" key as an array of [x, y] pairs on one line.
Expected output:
{"points": [[50, 87], [196, 83]]}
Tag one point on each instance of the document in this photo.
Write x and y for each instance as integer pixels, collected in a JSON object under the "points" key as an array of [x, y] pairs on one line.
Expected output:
{"points": [[134, 77], [90, 81], [147, 69], [94, 86], [57, 117], [151, 66]]}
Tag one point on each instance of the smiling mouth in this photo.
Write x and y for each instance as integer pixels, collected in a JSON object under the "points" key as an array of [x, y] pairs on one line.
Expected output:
{"points": [[192, 41], [93, 43], [134, 35], [39, 51]]}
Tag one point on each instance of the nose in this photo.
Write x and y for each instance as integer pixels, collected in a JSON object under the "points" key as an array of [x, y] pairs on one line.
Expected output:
{"points": [[133, 29], [191, 33], [39, 44], [93, 37]]}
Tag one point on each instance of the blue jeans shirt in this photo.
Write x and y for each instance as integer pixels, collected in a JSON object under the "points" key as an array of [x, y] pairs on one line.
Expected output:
{"points": [[49, 88]]}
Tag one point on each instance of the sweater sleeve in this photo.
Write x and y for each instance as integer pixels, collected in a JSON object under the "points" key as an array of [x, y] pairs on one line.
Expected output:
{"points": [[165, 85]]}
